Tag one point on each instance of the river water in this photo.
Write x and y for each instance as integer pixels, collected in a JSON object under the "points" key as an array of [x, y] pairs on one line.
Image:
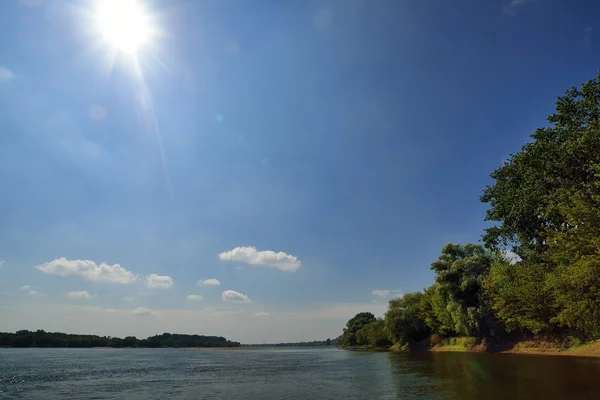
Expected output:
{"points": [[291, 374]]}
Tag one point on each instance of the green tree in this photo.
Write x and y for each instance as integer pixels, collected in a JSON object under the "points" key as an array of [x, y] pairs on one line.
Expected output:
{"points": [[434, 312], [403, 319], [546, 203], [349, 337], [520, 296], [456, 304], [530, 188]]}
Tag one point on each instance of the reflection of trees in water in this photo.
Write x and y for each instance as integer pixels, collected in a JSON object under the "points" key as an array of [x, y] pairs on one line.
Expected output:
{"points": [[493, 376]]}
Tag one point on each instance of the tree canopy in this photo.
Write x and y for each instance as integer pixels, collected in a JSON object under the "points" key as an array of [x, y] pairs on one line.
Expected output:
{"points": [[545, 205]]}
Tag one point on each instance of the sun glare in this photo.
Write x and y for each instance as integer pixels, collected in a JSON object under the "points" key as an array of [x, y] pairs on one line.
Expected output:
{"points": [[124, 24]]}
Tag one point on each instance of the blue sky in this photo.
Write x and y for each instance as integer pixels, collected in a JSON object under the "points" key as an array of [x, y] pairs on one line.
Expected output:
{"points": [[302, 153]]}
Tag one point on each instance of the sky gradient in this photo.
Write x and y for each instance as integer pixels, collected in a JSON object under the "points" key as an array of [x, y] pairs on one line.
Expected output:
{"points": [[260, 170]]}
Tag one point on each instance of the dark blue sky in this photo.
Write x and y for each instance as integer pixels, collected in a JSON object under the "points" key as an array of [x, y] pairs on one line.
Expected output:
{"points": [[355, 137]]}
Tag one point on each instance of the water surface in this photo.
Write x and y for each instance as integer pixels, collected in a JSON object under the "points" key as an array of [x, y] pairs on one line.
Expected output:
{"points": [[291, 374]]}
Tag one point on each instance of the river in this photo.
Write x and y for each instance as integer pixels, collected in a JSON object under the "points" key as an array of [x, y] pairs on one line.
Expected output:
{"points": [[267, 374]]}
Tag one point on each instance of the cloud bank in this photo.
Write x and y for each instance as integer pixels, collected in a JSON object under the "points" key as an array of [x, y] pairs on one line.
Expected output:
{"points": [[249, 255], [88, 270], [235, 297]]}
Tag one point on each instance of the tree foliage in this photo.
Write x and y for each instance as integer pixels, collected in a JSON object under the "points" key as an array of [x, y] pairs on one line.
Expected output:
{"points": [[531, 189], [457, 301], [545, 205], [403, 319], [41, 338], [356, 323]]}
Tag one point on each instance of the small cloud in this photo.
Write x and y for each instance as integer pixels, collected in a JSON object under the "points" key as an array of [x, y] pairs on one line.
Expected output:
{"points": [[1, 263], [97, 113], [239, 268], [235, 297], [25, 287], [512, 258], [34, 292], [514, 6], [141, 311], [380, 292], [78, 295], [269, 258], [154, 281], [5, 75], [265, 162], [208, 282], [261, 314], [88, 270], [195, 297], [129, 299]]}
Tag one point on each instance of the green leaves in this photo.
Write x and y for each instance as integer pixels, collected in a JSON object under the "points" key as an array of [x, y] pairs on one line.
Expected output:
{"points": [[530, 187], [403, 319]]}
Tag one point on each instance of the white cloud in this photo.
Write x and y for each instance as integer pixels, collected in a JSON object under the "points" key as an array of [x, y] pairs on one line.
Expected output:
{"points": [[154, 281], [380, 292], [5, 75], [261, 314], [141, 311], [80, 295], [513, 6], [195, 297], [129, 298], [89, 270], [235, 297], [34, 292], [26, 287], [512, 258], [1, 263], [209, 282], [250, 255]]}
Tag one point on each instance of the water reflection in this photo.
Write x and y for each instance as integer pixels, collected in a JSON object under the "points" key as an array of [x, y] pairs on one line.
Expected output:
{"points": [[494, 376]]}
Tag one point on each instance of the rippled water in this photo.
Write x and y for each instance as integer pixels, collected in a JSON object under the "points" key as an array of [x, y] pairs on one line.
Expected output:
{"points": [[290, 374]]}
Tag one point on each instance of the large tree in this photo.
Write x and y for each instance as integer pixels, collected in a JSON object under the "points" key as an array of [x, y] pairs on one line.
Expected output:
{"points": [[403, 319], [356, 323], [456, 303], [530, 189], [546, 202]]}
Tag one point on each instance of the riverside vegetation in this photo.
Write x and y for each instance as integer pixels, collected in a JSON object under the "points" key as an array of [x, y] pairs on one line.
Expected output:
{"points": [[536, 275], [41, 338]]}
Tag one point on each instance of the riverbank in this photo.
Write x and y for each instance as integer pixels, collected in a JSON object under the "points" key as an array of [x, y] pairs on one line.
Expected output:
{"points": [[472, 345]]}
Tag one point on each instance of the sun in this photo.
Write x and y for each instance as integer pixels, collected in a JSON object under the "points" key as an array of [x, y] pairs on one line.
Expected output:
{"points": [[123, 24]]}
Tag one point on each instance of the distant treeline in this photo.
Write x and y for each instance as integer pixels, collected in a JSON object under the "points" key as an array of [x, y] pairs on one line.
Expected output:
{"points": [[316, 343], [42, 338]]}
